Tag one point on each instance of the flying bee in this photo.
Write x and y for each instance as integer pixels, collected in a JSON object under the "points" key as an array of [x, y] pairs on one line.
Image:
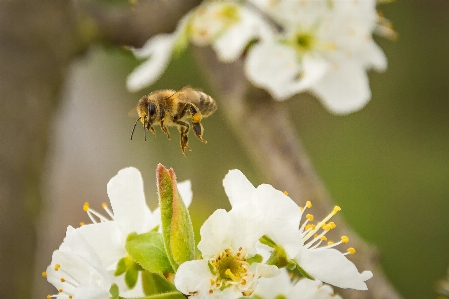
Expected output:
{"points": [[169, 107]]}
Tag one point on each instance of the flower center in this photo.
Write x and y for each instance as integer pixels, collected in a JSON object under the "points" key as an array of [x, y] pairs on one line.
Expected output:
{"points": [[303, 41], [229, 268]]}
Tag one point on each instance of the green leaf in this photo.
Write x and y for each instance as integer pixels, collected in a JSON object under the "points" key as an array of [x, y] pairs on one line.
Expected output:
{"points": [[114, 291], [149, 252], [177, 229], [154, 283]]}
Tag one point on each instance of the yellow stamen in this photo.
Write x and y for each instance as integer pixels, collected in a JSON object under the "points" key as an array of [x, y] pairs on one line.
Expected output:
{"points": [[212, 282], [323, 238], [344, 239], [48, 297], [81, 223], [286, 193], [86, 206], [330, 243], [44, 274], [315, 236], [310, 217], [351, 250], [320, 224], [308, 204], [62, 279], [60, 290], [57, 266], [104, 205]]}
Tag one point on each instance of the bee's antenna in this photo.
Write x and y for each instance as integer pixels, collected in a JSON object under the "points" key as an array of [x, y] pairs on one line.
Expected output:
{"points": [[145, 132], [135, 124]]}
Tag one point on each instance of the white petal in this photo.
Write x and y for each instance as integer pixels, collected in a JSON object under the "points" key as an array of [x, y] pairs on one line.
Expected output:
{"points": [[185, 190], [91, 291], [215, 234], [230, 45], [237, 187], [193, 277], [265, 61], [271, 288], [312, 289], [331, 266], [125, 192], [107, 241], [375, 57], [159, 48], [344, 89]]}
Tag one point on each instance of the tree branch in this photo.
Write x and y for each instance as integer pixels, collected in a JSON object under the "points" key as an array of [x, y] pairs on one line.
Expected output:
{"points": [[266, 131]]}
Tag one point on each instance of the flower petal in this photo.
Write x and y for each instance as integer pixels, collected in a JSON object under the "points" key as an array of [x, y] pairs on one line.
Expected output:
{"points": [[215, 233], [237, 187], [331, 266], [193, 278], [266, 59], [159, 50], [90, 291], [185, 190], [344, 89], [312, 289], [107, 240], [125, 192]]}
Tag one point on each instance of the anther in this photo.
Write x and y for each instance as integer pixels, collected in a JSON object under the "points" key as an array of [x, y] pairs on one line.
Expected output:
{"points": [[57, 266], [62, 279], [351, 250], [104, 205], [330, 243], [344, 239], [285, 192], [323, 238], [211, 291], [44, 274], [61, 290], [212, 282], [310, 217], [48, 297], [308, 204], [86, 206], [81, 223]]}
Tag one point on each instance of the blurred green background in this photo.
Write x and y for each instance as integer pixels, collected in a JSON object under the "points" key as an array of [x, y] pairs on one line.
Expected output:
{"points": [[387, 166]]}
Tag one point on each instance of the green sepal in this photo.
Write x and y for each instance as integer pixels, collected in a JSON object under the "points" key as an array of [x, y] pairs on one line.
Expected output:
{"points": [[131, 276], [149, 252], [268, 241], [177, 229], [154, 283], [255, 259], [114, 291], [121, 266]]}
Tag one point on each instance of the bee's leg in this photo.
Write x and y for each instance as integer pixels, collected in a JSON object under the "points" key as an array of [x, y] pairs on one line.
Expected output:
{"points": [[163, 127], [150, 128], [183, 128], [196, 121]]}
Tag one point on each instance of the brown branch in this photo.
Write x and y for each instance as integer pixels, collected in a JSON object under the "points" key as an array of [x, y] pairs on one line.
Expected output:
{"points": [[266, 131]]}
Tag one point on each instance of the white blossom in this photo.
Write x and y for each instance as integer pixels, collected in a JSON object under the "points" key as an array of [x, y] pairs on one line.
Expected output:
{"points": [[106, 236], [226, 26], [282, 286], [76, 270], [301, 240], [326, 48], [227, 243]]}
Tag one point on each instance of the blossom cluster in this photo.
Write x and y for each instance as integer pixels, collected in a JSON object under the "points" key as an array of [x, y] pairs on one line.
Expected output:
{"points": [[323, 47], [265, 246]]}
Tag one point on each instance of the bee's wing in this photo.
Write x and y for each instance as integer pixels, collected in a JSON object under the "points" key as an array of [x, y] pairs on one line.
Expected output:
{"points": [[133, 112]]}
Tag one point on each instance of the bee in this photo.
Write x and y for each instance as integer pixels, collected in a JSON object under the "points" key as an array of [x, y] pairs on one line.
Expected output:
{"points": [[169, 107]]}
